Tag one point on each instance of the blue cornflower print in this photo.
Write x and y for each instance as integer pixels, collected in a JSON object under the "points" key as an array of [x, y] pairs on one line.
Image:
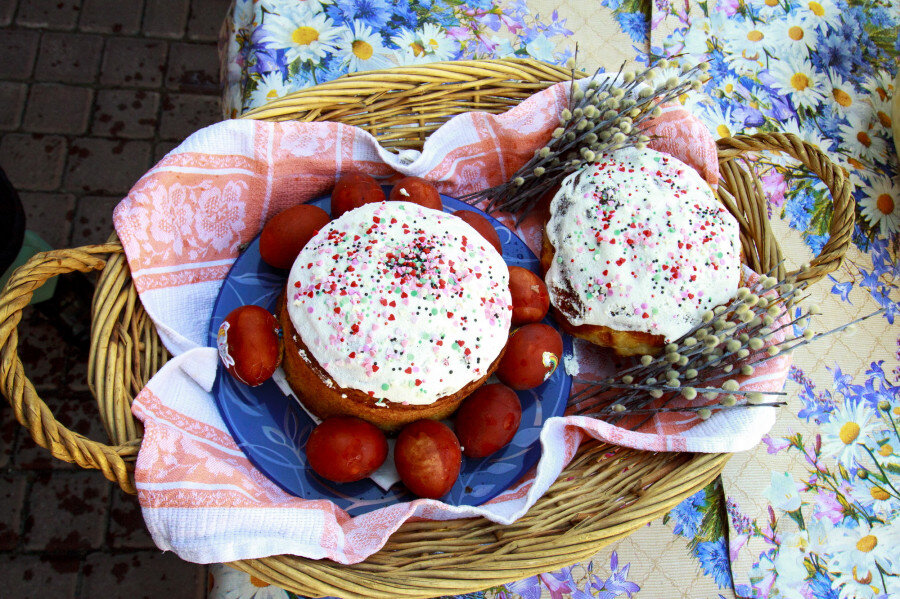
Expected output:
{"points": [[634, 24], [404, 16], [374, 13], [799, 210], [833, 52], [816, 242], [713, 556], [820, 587], [688, 515]]}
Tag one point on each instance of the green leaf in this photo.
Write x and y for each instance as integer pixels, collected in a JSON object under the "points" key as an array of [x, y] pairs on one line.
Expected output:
{"points": [[797, 516], [821, 214], [892, 468], [883, 38]]}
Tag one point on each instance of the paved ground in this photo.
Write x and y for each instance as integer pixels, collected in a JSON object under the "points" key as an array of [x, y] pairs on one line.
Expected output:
{"points": [[92, 93]]}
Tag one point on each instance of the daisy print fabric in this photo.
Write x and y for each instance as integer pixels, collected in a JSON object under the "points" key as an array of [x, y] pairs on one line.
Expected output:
{"points": [[274, 47]]}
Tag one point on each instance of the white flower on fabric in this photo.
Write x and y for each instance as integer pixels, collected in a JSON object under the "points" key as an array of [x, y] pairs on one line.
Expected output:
{"points": [[696, 40], [852, 585], [270, 86], [881, 208], [882, 109], [819, 12], [303, 34], [361, 48], [728, 86], [502, 47], [861, 551], [841, 96], [818, 532], [771, 10], [879, 84], [796, 78], [278, 6], [793, 35], [721, 121], [229, 583], [790, 567], [782, 492], [749, 40], [875, 496], [808, 133], [428, 44], [540, 48], [861, 139], [845, 434]]}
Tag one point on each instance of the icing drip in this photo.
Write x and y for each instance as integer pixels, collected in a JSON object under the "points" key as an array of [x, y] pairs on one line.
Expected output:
{"points": [[641, 244], [402, 302]]}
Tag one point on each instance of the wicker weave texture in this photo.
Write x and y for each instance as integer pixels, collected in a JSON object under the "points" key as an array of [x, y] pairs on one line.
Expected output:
{"points": [[591, 505]]}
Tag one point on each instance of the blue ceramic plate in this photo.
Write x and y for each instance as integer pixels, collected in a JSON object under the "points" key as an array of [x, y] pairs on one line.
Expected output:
{"points": [[272, 429]]}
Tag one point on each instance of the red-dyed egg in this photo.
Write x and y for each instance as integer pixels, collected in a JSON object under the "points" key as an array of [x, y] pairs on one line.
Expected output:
{"points": [[287, 232], [488, 420], [532, 354], [344, 449], [483, 226], [530, 299], [428, 458], [248, 344], [354, 190], [418, 191]]}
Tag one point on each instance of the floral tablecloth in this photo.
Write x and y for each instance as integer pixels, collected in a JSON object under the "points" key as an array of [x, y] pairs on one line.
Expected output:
{"points": [[814, 512]]}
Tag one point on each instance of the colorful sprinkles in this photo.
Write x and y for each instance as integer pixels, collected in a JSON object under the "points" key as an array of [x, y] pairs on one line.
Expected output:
{"points": [[641, 245], [401, 302]]}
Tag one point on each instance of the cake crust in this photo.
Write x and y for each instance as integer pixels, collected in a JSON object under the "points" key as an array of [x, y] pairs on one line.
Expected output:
{"points": [[318, 391]]}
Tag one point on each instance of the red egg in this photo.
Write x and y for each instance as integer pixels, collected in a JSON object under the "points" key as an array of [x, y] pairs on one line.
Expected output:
{"points": [[418, 191], [483, 226], [344, 449], [287, 232], [532, 354], [488, 420], [530, 299], [248, 344], [352, 191], [428, 458]]}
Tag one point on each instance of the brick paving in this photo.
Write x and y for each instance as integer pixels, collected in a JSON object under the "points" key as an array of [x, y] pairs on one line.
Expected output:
{"points": [[93, 93]]}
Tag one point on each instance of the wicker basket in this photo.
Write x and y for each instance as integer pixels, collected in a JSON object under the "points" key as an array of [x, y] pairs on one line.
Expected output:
{"points": [[605, 494]]}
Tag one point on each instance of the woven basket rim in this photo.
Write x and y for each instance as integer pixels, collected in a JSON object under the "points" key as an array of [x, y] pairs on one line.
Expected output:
{"points": [[567, 524]]}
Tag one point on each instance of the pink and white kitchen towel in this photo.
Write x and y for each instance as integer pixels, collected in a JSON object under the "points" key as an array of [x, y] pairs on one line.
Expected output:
{"points": [[182, 226]]}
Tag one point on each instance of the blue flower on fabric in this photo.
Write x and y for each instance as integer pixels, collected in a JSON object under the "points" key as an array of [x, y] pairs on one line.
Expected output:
{"points": [[634, 24], [799, 210], [616, 584], [688, 515], [833, 52], [891, 308], [404, 16], [842, 289], [374, 13], [820, 587], [480, 4], [713, 556], [816, 242]]}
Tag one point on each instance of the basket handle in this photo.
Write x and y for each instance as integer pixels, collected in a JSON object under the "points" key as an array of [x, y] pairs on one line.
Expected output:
{"points": [[843, 215], [115, 461]]}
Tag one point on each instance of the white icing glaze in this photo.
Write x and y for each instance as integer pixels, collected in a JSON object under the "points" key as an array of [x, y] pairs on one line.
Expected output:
{"points": [[641, 245], [402, 302]]}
